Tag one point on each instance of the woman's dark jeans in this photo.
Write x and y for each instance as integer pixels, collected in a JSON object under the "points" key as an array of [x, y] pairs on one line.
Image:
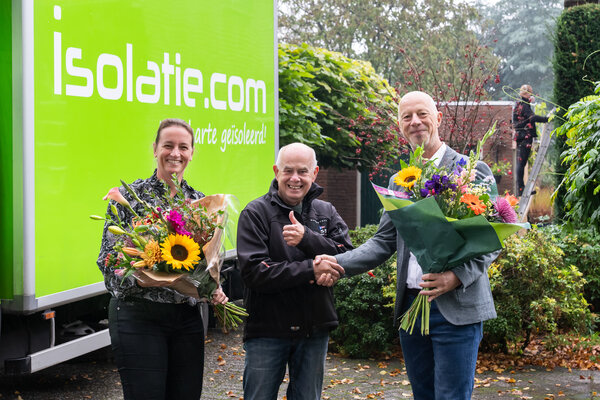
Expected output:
{"points": [[159, 349]]}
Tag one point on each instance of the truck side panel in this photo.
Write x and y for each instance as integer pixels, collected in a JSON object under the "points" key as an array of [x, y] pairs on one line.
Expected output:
{"points": [[6, 144], [105, 75], [83, 87]]}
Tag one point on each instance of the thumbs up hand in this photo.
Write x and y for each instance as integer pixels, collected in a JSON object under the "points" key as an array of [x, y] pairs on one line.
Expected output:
{"points": [[293, 234]]}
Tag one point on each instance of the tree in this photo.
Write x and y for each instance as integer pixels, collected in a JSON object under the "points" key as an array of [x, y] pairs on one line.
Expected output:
{"points": [[576, 65], [338, 106], [520, 33], [379, 31], [458, 86]]}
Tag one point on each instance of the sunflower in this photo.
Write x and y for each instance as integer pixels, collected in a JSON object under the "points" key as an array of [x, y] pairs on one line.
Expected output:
{"points": [[180, 251], [473, 203], [407, 177], [151, 254]]}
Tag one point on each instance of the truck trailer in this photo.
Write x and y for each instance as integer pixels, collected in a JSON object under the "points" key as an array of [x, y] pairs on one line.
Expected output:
{"points": [[83, 87]]}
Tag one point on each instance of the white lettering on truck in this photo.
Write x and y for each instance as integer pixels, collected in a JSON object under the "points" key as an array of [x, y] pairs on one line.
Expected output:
{"points": [[154, 83]]}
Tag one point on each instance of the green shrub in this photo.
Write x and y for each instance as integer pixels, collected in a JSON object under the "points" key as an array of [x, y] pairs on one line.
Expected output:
{"points": [[576, 38], [581, 181], [365, 313], [582, 248], [534, 291], [339, 106]]}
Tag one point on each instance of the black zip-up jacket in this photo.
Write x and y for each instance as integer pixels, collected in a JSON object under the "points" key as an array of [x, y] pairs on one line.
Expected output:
{"points": [[524, 120], [279, 297]]}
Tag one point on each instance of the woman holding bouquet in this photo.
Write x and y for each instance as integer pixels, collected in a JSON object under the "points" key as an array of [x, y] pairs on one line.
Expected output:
{"points": [[157, 334]]}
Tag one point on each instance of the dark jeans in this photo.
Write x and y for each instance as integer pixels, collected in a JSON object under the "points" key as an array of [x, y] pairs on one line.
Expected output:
{"points": [[159, 349], [266, 360], [523, 152], [441, 365]]}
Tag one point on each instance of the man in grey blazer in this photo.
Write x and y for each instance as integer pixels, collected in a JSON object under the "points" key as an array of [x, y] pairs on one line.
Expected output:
{"points": [[440, 365]]}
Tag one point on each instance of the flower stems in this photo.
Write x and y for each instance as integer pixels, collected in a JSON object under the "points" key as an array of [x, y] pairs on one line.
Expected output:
{"points": [[420, 307], [229, 315]]}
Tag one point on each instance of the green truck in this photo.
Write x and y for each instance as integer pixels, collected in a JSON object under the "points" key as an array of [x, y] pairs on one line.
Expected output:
{"points": [[83, 86]]}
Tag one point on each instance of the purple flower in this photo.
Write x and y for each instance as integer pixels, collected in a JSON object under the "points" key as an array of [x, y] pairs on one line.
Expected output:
{"points": [[438, 184], [177, 223], [424, 192], [505, 210], [459, 166]]}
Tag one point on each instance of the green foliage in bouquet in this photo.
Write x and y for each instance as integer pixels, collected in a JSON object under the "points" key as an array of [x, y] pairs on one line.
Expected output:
{"points": [[365, 312], [534, 292]]}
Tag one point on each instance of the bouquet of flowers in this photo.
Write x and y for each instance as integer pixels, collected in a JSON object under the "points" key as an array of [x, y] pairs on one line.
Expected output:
{"points": [[180, 247], [447, 217]]}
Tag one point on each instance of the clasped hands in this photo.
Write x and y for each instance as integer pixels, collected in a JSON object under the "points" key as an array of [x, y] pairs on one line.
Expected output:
{"points": [[327, 270]]}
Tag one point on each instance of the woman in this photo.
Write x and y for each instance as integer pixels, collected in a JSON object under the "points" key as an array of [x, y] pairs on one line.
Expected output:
{"points": [[157, 334], [524, 120]]}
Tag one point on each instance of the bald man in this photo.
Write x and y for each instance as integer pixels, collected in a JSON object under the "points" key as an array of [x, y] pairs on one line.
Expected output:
{"points": [[279, 235], [440, 365]]}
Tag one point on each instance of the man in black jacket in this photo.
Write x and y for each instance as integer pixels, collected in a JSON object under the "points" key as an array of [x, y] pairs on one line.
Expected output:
{"points": [[524, 120], [279, 235]]}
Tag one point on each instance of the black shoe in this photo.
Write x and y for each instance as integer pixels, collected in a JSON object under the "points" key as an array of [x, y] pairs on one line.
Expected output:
{"points": [[533, 192]]}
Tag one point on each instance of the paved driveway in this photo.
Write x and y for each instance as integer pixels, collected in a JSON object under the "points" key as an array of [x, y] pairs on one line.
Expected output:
{"points": [[95, 377]]}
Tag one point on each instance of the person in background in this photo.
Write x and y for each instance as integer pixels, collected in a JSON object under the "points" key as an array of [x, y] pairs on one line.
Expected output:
{"points": [[157, 334], [279, 235], [524, 120]]}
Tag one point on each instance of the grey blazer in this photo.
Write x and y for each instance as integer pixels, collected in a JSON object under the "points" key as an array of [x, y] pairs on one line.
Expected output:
{"points": [[469, 303]]}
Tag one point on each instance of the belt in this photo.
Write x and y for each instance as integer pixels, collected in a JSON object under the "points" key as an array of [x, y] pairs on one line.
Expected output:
{"points": [[412, 292]]}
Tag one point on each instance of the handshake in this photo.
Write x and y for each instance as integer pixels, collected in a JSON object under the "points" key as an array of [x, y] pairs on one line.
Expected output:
{"points": [[327, 270]]}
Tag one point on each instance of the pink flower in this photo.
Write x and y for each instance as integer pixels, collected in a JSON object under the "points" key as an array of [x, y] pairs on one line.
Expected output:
{"points": [[114, 194], [505, 210], [465, 178], [119, 272], [177, 223]]}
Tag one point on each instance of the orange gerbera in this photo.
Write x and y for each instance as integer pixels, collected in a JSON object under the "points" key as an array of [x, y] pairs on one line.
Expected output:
{"points": [[512, 200], [473, 203]]}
